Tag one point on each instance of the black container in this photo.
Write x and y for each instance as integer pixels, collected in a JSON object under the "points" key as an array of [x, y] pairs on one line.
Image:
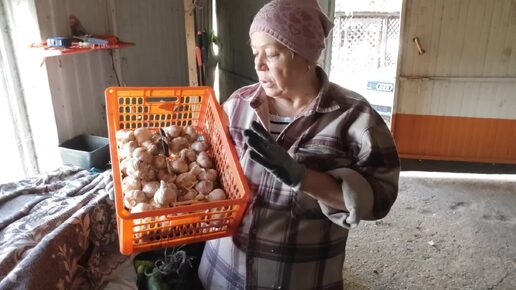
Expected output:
{"points": [[86, 151]]}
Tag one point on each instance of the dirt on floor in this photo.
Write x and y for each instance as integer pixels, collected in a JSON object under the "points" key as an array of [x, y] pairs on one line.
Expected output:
{"points": [[444, 232]]}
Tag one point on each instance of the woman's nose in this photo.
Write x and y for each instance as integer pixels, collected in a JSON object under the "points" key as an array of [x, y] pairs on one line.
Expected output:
{"points": [[259, 63]]}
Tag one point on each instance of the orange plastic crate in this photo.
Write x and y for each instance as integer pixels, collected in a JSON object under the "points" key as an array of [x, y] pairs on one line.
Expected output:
{"points": [[155, 107]]}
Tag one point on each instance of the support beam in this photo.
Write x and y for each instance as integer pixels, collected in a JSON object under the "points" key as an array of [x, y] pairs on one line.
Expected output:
{"points": [[189, 7]]}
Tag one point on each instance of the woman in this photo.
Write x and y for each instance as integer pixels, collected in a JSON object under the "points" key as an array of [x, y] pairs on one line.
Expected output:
{"points": [[317, 157]]}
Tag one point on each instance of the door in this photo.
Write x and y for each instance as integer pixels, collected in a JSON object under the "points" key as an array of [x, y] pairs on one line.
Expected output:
{"points": [[364, 51]]}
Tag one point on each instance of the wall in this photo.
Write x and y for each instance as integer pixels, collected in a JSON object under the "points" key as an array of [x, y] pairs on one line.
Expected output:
{"points": [[457, 101], [157, 28], [65, 95], [78, 81], [236, 59]]}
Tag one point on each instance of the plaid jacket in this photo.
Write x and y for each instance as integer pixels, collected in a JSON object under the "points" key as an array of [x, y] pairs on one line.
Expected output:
{"points": [[288, 240]]}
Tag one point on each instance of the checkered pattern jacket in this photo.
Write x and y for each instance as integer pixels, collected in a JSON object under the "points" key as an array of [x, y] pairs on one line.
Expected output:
{"points": [[287, 239]]}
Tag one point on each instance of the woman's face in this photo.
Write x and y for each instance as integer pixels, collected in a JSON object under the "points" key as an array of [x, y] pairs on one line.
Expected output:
{"points": [[279, 70]]}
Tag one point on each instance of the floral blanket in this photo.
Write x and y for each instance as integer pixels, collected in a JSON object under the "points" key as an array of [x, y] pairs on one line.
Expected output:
{"points": [[58, 231]]}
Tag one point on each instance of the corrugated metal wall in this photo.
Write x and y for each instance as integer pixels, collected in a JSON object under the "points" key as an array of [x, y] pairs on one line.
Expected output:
{"points": [[157, 28], [77, 81], [65, 96], [457, 101]]}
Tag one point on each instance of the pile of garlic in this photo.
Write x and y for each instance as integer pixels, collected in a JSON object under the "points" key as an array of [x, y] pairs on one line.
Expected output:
{"points": [[151, 180]]}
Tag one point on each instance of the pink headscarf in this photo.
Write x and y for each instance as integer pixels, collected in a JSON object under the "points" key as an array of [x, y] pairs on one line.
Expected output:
{"points": [[300, 25]]}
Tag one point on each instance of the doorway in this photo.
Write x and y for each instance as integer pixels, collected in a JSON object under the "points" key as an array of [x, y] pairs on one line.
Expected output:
{"points": [[364, 54]]}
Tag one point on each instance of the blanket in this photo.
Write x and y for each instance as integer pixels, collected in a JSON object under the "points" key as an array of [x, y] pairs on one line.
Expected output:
{"points": [[58, 231]]}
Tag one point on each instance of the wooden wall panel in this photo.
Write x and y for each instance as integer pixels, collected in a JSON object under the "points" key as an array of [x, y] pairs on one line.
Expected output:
{"points": [[464, 38], [460, 95], [466, 98], [456, 138]]}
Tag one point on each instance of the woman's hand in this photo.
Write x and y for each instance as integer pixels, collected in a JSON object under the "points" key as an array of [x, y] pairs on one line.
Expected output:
{"points": [[275, 159]]}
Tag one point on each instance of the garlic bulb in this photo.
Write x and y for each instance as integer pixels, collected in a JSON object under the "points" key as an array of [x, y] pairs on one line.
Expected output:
{"points": [[131, 183], [129, 203], [124, 135], [200, 197], [159, 161], [141, 207], [192, 165], [217, 194], [137, 168], [188, 155], [128, 149], [151, 147], [186, 180], [200, 146], [208, 174], [178, 143], [179, 166], [190, 133], [190, 194], [142, 154], [204, 160], [123, 166], [173, 131], [204, 186], [165, 195], [165, 176], [149, 173], [142, 135], [133, 197], [196, 170], [150, 188]]}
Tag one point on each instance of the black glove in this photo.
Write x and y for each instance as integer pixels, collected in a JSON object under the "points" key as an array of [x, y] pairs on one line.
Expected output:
{"points": [[268, 153]]}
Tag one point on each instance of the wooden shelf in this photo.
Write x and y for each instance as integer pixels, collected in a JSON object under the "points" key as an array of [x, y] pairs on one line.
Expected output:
{"points": [[47, 51]]}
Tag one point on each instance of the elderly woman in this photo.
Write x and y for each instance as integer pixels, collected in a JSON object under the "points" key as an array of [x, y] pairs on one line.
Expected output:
{"points": [[317, 157]]}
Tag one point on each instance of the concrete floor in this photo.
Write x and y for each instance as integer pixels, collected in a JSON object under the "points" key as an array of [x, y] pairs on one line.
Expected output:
{"points": [[445, 231]]}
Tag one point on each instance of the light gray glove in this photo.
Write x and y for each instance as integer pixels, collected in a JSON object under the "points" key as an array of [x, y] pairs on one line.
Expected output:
{"points": [[358, 196], [275, 159]]}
